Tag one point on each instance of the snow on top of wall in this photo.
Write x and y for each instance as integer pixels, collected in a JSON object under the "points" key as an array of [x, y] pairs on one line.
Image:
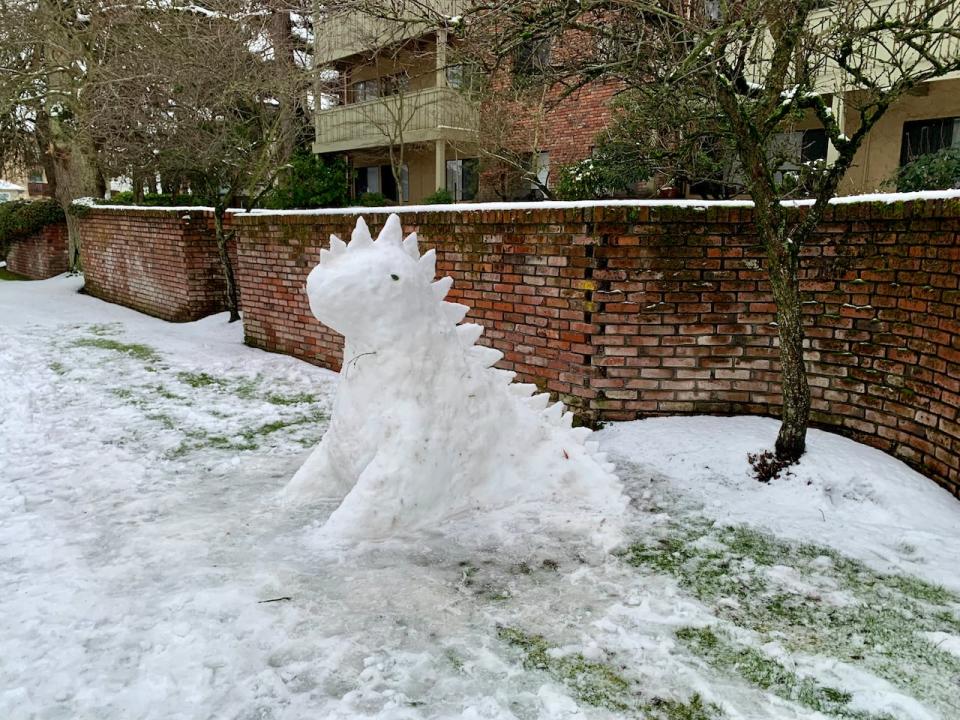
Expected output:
{"points": [[888, 198]]}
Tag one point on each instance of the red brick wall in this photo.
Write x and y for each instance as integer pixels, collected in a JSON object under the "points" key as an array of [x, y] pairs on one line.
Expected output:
{"points": [[159, 261], [628, 312], [573, 123], [42, 255], [532, 117]]}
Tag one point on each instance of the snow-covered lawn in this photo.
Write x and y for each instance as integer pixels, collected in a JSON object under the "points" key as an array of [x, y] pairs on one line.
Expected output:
{"points": [[147, 571]]}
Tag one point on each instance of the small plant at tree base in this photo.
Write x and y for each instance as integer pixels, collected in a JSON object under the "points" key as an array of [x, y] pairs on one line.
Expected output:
{"points": [[441, 197], [934, 171], [766, 465]]}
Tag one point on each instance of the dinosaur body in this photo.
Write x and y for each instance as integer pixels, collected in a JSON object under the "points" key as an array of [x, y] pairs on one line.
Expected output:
{"points": [[424, 428]]}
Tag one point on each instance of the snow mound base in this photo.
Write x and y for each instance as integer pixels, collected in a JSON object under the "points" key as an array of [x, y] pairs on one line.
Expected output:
{"points": [[424, 428]]}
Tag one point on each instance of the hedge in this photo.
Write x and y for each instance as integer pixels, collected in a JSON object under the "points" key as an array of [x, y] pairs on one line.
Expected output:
{"points": [[22, 218]]}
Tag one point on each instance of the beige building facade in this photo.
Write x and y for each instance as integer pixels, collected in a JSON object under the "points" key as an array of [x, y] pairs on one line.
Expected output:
{"points": [[923, 121], [392, 103]]}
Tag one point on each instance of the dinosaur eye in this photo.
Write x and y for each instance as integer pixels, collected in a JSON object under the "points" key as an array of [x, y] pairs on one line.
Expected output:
{"points": [[394, 277]]}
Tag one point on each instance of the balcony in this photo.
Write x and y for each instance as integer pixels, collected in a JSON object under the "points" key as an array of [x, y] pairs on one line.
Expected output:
{"points": [[350, 33], [436, 113]]}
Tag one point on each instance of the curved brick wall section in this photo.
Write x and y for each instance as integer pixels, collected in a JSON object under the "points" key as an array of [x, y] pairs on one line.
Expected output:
{"points": [[628, 312], [42, 255], [162, 262]]}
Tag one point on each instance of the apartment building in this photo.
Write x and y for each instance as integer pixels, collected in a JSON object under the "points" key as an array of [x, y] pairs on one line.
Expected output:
{"points": [[392, 96], [392, 102]]}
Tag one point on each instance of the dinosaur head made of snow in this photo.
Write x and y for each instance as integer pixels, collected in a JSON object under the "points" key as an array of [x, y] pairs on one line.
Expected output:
{"points": [[371, 290]]}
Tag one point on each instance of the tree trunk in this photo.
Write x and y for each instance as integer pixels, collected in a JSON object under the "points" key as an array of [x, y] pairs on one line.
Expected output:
{"points": [[223, 238], [75, 176], [783, 261]]}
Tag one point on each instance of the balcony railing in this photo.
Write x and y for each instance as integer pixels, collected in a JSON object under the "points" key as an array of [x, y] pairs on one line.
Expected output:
{"points": [[437, 113], [349, 33]]}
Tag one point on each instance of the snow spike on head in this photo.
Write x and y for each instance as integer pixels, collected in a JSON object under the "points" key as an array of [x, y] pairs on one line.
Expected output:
{"points": [[523, 389], [580, 433], [485, 356], [428, 264], [441, 287], [506, 376], [360, 238], [337, 245], [410, 245], [539, 402], [454, 312], [566, 420], [469, 333], [325, 256], [554, 413], [392, 232]]}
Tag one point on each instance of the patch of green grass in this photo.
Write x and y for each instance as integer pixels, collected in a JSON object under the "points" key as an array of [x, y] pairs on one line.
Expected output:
{"points": [[245, 389], [847, 611], [246, 439], [163, 419], [102, 329], [454, 659], [7, 275], [199, 380], [166, 393], [299, 399], [591, 682], [598, 684], [767, 673], [58, 367], [134, 350]]}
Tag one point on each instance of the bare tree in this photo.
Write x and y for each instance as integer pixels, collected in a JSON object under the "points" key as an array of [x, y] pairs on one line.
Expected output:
{"points": [[514, 122], [750, 69], [49, 55]]}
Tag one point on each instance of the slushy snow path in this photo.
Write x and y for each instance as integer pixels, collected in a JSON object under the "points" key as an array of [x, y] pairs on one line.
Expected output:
{"points": [[147, 570]]}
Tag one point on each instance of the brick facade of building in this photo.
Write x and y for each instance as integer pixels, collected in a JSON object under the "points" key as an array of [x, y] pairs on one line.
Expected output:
{"points": [[41, 255], [160, 261], [571, 124], [541, 120], [632, 311]]}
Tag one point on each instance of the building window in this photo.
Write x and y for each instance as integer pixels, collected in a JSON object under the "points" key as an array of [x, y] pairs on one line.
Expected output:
{"points": [[379, 179], [923, 137], [540, 170], [405, 183], [813, 145], [532, 58], [367, 180], [463, 178], [464, 77], [394, 84], [36, 176], [366, 90], [4, 196]]}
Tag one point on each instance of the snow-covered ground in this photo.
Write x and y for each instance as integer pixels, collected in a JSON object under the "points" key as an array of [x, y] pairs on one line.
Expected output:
{"points": [[147, 570]]}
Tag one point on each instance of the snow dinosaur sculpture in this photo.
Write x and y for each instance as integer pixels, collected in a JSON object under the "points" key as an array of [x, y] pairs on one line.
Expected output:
{"points": [[423, 426]]}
